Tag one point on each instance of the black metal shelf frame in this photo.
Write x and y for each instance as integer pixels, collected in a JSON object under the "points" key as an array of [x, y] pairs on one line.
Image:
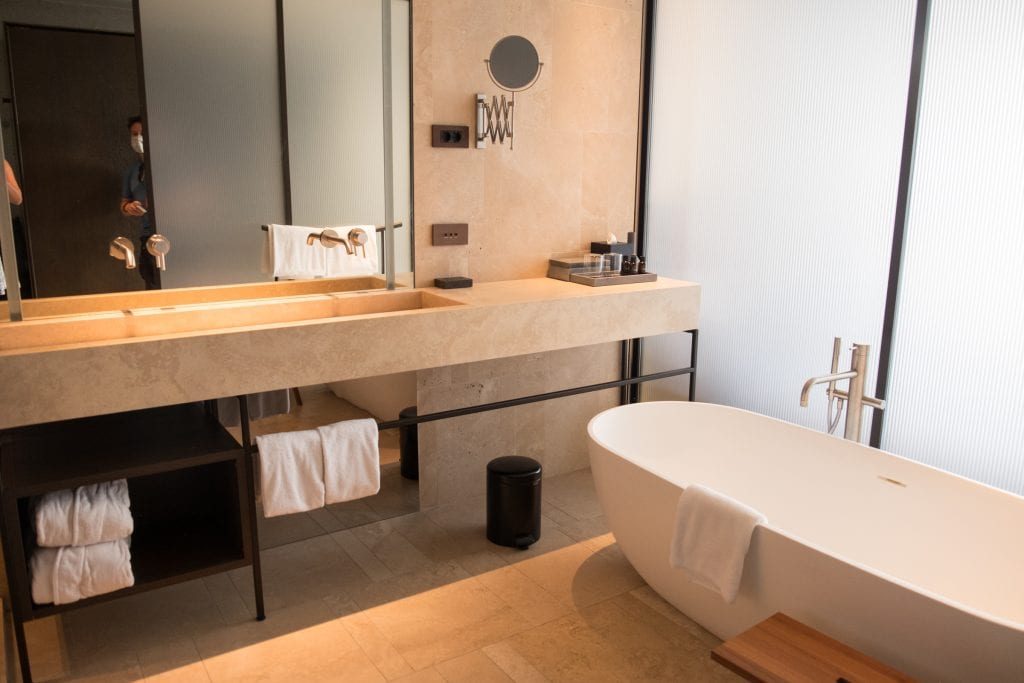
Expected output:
{"points": [[631, 379]]}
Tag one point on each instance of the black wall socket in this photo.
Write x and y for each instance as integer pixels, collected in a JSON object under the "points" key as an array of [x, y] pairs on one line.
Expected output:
{"points": [[446, 234], [449, 136]]}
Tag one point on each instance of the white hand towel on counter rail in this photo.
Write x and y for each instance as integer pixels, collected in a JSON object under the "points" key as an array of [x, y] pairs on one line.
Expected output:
{"points": [[290, 257], [291, 472], [351, 460], [712, 535], [340, 262], [85, 515], [69, 574]]}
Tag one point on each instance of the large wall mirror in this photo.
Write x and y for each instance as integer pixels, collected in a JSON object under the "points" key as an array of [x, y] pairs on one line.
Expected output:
{"points": [[255, 112]]}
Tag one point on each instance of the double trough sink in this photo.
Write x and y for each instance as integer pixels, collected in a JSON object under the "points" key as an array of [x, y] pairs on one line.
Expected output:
{"points": [[206, 310]]}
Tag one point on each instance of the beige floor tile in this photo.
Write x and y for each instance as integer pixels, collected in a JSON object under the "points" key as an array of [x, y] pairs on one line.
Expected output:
{"points": [[304, 642], [301, 572], [363, 556], [452, 619], [568, 649], [402, 586], [225, 596], [513, 664], [374, 643], [172, 662], [278, 531], [574, 494], [107, 663], [143, 620], [646, 595], [577, 575], [47, 650], [534, 604], [391, 547], [474, 667], [430, 675], [577, 529]]}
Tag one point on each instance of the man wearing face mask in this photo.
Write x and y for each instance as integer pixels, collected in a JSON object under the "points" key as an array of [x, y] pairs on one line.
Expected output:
{"points": [[135, 203]]}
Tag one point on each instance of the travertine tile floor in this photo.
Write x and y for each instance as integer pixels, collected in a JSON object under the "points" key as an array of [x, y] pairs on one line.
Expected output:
{"points": [[420, 597]]}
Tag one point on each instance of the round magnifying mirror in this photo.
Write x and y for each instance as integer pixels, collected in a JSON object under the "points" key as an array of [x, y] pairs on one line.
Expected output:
{"points": [[514, 63]]}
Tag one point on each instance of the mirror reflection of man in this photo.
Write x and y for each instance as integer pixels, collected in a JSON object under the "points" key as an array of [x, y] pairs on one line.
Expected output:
{"points": [[135, 203]]}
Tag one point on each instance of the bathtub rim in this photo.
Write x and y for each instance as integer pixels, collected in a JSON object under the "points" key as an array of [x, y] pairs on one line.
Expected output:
{"points": [[768, 526]]}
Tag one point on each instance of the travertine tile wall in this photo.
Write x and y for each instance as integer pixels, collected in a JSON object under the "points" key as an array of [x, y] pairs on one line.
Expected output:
{"points": [[569, 180]]}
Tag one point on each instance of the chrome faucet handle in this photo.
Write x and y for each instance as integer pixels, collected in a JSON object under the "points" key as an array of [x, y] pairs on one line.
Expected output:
{"points": [[159, 246], [122, 249]]}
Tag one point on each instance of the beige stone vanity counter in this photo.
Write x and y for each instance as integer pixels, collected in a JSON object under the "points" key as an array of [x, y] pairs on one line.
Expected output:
{"points": [[335, 336]]}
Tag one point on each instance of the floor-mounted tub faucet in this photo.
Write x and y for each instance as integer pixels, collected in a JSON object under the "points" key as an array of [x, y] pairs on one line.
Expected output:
{"points": [[122, 249], [854, 396]]}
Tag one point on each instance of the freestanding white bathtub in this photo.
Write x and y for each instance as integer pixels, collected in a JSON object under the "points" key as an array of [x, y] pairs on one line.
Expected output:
{"points": [[916, 567]]}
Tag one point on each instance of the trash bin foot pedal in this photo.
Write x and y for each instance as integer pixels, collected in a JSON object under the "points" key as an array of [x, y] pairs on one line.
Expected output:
{"points": [[524, 542]]}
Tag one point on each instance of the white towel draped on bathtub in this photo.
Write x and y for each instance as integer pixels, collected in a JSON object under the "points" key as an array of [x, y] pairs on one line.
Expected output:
{"points": [[712, 535], [69, 574], [351, 460], [85, 515]]}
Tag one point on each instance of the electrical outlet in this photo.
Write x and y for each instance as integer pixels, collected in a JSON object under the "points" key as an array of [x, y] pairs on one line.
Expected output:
{"points": [[449, 136], [446, 234]]}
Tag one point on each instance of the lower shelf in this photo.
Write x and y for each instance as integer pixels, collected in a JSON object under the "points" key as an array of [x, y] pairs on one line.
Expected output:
{"points": [[165, 557]]}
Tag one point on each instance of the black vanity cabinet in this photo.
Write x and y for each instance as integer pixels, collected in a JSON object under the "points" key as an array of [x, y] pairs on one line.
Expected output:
{"points": [[190, 485]]}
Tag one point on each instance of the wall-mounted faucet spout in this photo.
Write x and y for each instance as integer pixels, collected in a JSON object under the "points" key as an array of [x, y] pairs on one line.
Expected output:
{"points": [[329, 239], [854, 397], [122, 249]]}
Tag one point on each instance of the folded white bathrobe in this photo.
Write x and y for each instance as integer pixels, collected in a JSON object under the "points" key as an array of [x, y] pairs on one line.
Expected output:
{"points": [[68, 574], [85, 515], [351, 460], [711, 539]]}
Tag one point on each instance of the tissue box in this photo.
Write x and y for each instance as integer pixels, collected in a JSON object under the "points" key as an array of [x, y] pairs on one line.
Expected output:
{"points": [[624, 248]]}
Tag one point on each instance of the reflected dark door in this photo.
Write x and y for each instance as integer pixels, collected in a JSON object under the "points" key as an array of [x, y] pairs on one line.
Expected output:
{"points": [[73, 94]]}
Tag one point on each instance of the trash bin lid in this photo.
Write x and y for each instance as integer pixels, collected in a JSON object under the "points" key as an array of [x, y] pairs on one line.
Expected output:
{"points": [[513, 466]]}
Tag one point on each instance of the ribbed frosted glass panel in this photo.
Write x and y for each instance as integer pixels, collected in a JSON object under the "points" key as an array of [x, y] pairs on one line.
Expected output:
{"points": [[335, 114], [775, 159], [335, 111], [214, 134], [955, 397]]}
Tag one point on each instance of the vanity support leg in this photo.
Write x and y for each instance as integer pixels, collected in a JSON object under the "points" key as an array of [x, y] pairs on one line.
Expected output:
{"points": [[19, 640], [250, 485], [693, 363]]}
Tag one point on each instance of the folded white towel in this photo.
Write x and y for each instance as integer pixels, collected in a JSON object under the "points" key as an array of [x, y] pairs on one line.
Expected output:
{"points": [[291, 472], [290, 257], [68, 574], [340, 262], [712, 535], [84, 515], [351, 460]]}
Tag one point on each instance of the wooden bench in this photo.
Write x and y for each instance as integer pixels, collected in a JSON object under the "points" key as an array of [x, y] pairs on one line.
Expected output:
{"points": [[782, 650]]}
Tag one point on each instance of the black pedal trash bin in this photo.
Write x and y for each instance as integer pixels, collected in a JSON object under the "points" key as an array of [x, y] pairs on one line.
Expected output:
{"points": [[513, 501], [408, 446]]}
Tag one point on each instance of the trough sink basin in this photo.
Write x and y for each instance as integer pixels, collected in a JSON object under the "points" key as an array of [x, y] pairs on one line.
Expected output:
{"points": [[119, 301], [211, 317]]}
